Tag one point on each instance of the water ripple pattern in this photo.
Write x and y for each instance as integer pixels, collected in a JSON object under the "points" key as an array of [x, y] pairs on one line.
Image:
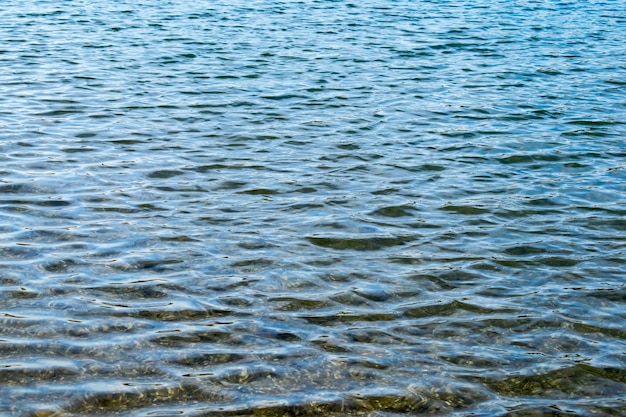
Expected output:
{"points": [[312, 208]]}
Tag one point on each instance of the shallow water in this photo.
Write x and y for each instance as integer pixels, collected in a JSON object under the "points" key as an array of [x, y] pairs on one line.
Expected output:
{"points": [[229, 208]]}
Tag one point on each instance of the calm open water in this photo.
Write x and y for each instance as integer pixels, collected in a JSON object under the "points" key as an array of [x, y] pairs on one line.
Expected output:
{"points": [[316, 207]]}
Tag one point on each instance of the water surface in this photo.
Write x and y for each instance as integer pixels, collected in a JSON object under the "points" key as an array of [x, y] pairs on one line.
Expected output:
{"points": [[382, 208]]}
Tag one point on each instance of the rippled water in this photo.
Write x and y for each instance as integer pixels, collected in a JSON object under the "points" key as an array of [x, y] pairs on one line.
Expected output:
{"points": [[316, 207]]}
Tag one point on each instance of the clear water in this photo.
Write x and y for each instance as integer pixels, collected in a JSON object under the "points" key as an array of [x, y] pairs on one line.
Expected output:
{"points": [[316, 207]]}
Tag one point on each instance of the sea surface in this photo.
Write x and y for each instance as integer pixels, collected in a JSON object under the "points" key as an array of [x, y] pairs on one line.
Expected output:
{"points": [[312, 208]]}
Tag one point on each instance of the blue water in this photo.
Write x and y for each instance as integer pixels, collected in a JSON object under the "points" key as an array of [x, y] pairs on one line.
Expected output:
{"points": [[320, 208]]}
